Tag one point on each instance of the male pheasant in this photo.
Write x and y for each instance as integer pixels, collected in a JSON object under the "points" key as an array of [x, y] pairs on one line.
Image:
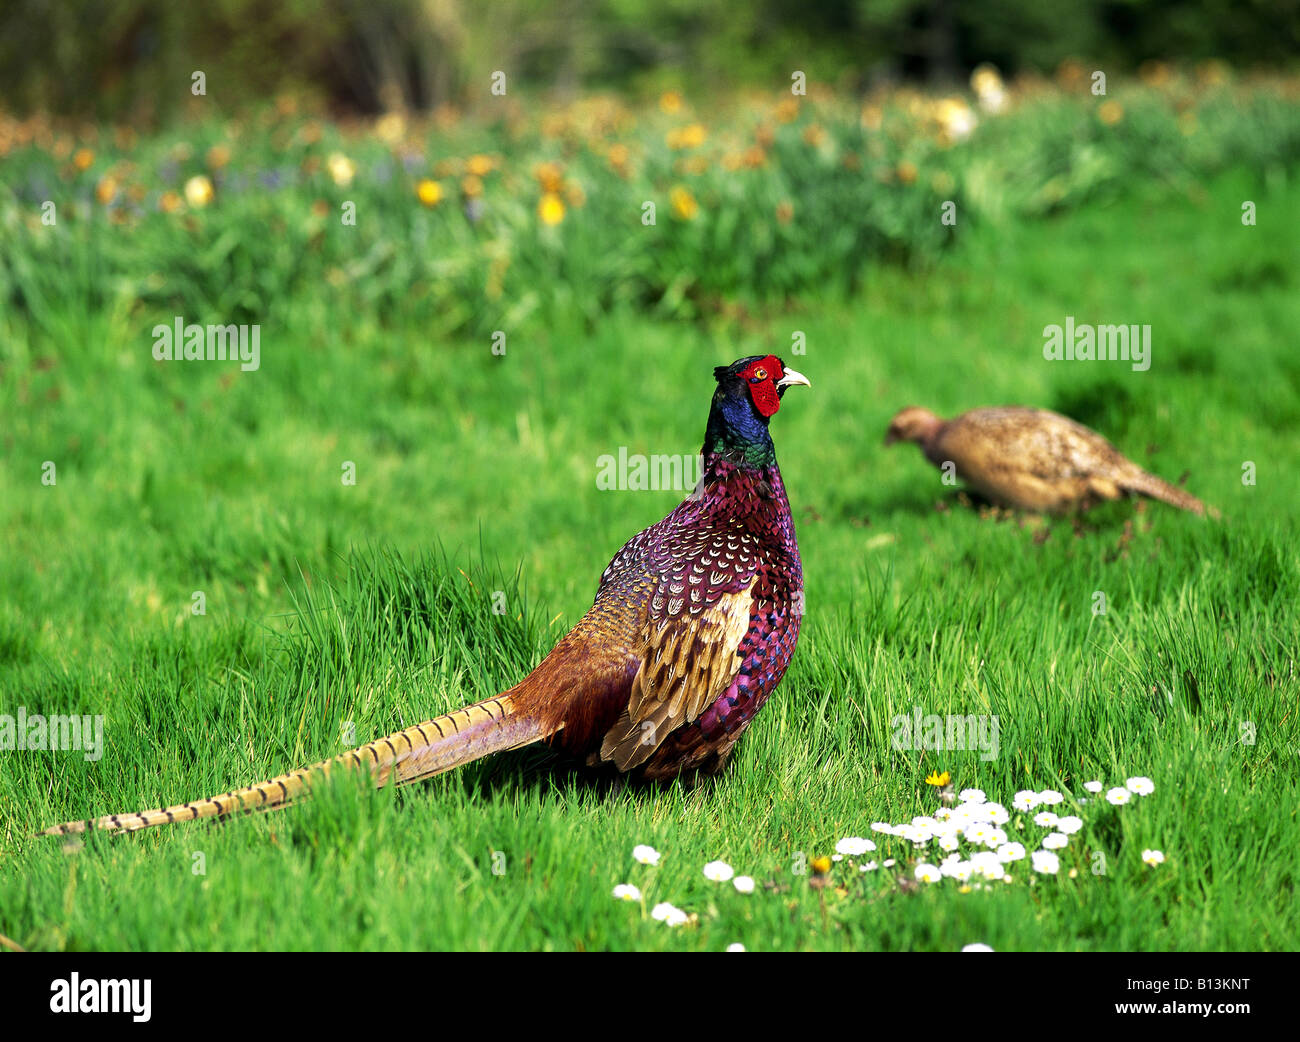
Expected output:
{"points": [[1032, 459], [692, 629]]}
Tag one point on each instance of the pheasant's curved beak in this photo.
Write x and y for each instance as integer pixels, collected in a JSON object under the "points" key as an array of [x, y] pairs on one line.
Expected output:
{"points": [[791, 378]]}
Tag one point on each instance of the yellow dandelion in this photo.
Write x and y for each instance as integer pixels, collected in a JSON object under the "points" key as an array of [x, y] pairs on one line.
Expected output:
{"points": [[1110, 112], [938, 779], [106, 190], [341, 169], [683, 203], [670, 101], [551, 209], [619, 155], [429, 192], [550, 176], [218, 156], [198, 191], [82, 158], [687, 137], [480, 166], [821, 865], [170, 202]]}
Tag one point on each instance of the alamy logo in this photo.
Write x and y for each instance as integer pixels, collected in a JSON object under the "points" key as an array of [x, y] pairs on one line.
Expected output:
{"points": [[38, 733], [194, 343], [950, 733], [637, 473], [1085, 343], [93, 995]]}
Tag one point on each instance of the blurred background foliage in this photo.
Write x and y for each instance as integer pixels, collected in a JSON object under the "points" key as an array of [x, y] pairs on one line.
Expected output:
{"points": [[134, 58]]}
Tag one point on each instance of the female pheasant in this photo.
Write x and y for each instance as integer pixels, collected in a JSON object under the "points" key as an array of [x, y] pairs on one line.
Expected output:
{"points": [[692, 629]]}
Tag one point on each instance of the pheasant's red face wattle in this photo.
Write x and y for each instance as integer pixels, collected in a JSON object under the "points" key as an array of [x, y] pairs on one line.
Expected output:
{"points": [[762, 377]]}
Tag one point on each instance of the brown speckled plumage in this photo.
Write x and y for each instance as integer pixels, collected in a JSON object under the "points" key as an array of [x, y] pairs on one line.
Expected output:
{"points": [[1032, 459], [692, 629]]}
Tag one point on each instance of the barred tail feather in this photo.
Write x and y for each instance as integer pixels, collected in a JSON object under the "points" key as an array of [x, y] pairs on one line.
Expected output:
{"points": [[1158, 488], [491, 726]]}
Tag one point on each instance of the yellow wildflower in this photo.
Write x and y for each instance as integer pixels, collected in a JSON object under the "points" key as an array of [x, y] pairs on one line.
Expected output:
{"points": [[198, 191], [83, 158], [550, 176], [551, 209], [106, 190], [1110, 112], [471, 186], [429, 192], [938, 779], [341, 169], [670, 101], [684, 204], [480, 166]]}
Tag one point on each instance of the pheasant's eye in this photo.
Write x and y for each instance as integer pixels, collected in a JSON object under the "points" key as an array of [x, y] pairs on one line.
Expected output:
{"points": [[760, 374]]}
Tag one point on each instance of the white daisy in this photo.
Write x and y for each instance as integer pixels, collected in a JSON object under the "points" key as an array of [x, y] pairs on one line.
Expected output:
{"points": [[971, 795], [1140, 786], [736, 947], [854, 845], [882, 826], [997, 814], [889, 862], [949, 842], [1045, 861], [745, 884], [1153, 857], [718, 871], [1046, 819], [1050, 797], [666, 913], [1070, 824], [870, 866], [1118, 796], [1026, 799], [1009, 852], [646, 855], [927, 873], [976, 948], [1055, 841], [1093, 786], [627, 892]]}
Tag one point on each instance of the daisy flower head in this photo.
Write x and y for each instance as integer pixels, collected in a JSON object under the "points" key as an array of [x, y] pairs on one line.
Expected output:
{"points": [[1055, 841], [976, 948], [1010, 852], [1045, 819], [745, 884], [1046, 862], [949, 842], [927, 873], [1026, 799], [664, 912], [1118, 796], [1140, 786], [1050, 797], [890, 862], [997, 814], [736, 947], [854, 846], [971, 796], [1153, 857], [627, 892], [995, 838], [644, 854], [869, 866], [1093, 786], [718, 871], [1070, 824], [882, 826]]}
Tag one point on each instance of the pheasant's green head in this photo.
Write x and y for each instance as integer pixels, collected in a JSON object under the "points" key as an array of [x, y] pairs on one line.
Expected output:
{"points": [[748, 395]]}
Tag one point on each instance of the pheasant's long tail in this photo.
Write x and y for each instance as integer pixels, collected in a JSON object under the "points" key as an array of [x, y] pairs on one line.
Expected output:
{"points": [[1157, 488], [491, 726]]}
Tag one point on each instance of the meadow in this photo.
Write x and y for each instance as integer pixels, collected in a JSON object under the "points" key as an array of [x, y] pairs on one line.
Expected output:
{"points": [[334, 611]]}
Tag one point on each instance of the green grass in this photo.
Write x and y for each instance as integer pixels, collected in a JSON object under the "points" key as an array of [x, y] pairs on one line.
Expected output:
{"points": [[328, 604]]}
